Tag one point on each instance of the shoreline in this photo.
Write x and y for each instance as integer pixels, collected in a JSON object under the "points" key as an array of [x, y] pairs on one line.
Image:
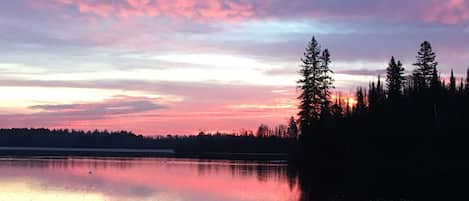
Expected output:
{"points": [[120, 152]]}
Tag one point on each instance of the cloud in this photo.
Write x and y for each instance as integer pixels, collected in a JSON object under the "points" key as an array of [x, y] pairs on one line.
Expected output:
{"points": [[365, 72], [448, 11], [66, 114], [282, 71], [99, 110], [440, 11], [186, 9], [211, 92]]}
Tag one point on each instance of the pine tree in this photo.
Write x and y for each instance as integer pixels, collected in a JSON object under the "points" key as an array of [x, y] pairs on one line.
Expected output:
{"points": [[348, 111], [292, 130], [315, 84], [395, 79], [461, 86], [326, 83], [263, 131], [452, 83], [360, 108], [380, 93], [435, 86], [435, 83], [337, 109], [310, 103], [376, 96], [426, 65], [466, 87], [372, 97]]}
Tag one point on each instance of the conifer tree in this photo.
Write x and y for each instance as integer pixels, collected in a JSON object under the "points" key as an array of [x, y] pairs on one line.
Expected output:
{"points": [[435, 83], [360, 108], [292, 130], [467, 81], [348, 111], [315, 85], [326, 83], [310, 104], [394, 79], [380, 93], [452, 83], [372, 97], [426, 65], [337, 109], [461, 86]]}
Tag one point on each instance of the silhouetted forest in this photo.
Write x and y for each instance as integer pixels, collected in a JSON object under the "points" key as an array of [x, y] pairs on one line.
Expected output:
{"points": [[188, 145], [405, 138]]}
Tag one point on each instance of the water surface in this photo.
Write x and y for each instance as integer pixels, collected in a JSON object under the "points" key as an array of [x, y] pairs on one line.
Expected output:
{"points": [[144, 179]]}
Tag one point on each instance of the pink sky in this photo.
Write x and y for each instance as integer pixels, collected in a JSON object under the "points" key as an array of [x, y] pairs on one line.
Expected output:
{"points": [[184, 66]]}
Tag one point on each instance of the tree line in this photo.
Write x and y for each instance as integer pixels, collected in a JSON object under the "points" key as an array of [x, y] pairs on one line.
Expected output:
{"points": [[404, 138], [281, 131], [193, 144], [420, 100]]}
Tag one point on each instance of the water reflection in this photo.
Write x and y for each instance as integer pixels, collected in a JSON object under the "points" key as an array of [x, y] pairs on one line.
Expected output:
{"points": [[144, 179]]}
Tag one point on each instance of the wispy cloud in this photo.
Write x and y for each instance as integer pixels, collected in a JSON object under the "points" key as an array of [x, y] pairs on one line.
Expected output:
{"points": [[100, 109], [64, 115], [362, 72], [187, 9], [441, 11]]}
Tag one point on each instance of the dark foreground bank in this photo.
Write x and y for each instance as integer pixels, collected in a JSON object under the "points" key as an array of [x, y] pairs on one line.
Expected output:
{"points": [[387, 164]]}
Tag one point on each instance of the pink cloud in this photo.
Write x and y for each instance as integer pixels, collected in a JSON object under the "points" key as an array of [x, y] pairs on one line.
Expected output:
{"points": [[447, 11], [441, 11], [187, 9], [98, 8]]}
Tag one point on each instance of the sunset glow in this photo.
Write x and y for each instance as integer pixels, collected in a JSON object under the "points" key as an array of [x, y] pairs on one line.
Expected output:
{"points": [[159, 67]]}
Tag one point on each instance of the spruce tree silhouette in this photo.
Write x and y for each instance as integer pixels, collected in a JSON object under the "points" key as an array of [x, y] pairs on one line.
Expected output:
{"points": [[315, 84], [395, 81], [452, 84], [467, 81], [426, 65], [325, 85], [308, 84], [292, 128]]}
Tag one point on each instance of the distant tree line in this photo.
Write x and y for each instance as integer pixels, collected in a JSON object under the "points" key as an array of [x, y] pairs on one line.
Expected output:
{"points": [[280, 131], [196, 144]]}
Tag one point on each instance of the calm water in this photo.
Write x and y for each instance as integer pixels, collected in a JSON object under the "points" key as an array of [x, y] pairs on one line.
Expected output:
{"points": [[105, 179]]}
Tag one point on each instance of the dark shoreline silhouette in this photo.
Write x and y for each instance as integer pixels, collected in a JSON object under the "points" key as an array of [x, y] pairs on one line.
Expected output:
{"points": [[405, 139], [64, 142]]}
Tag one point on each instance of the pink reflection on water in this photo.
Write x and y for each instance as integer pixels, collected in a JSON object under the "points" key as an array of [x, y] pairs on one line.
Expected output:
{"points": [[148, 179]]}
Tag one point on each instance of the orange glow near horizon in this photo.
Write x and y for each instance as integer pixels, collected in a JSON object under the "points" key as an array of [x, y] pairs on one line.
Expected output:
{"points": [[157, 114]]}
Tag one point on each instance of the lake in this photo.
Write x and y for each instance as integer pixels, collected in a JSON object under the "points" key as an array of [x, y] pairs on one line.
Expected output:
{"points": [[144, 179]]}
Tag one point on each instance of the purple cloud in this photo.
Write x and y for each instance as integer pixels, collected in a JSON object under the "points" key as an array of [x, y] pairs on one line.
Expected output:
{"points": [[98, 110]]}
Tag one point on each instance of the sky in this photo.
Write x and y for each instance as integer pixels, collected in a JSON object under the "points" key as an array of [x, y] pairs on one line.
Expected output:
{"points": [[184, 66]]}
